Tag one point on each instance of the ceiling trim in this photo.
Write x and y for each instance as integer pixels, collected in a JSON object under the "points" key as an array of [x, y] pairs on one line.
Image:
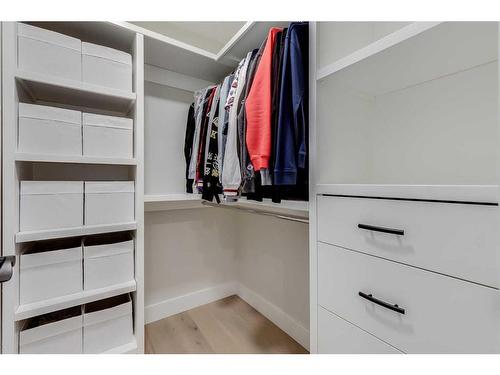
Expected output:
{"points": [[200, 51]]}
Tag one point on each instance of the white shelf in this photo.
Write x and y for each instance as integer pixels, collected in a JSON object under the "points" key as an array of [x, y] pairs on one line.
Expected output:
{"points": [[168, 202], [388, 41], [72, 232], [55, 304], [458, 193], [130, 348], [42, 87], [296, 208], [196, 62], [20, 156]]}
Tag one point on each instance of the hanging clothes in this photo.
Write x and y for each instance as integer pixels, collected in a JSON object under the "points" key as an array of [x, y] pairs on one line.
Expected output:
{"points": [[258, 110], [200, 99], [292, 133], [248, 135], [200, 163], [231, 176], [247, 174], [188, 145], [211, 184], [223, 120]]}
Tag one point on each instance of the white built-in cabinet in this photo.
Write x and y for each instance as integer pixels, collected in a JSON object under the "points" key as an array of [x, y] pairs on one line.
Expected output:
{"points": [[61, 298], [404, 235]]}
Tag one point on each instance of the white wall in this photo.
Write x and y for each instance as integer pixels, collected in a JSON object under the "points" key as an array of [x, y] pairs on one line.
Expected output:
{"points": [[186, 251], [166, 111], [272, 263]]}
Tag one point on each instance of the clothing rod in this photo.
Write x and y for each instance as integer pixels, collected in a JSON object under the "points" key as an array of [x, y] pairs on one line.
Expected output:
{"points": [[297, 219]]}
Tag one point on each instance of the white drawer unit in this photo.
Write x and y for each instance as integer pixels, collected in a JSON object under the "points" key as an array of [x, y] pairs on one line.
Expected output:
{"points": [[48, 52], [108, 262], [109, 202], [51, 205], [49, 130], [50, 274], [54, 333], [337, 336], [414, 310], [106, 66], [451, 238], [107, 136], [107, 324]]}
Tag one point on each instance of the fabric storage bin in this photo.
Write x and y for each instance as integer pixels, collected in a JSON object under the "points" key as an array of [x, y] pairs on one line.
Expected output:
{"points": [[109, 202], [51, 205], [55, 333], [49, 130], [106, 66], [108, 260], [107, 136], [48, 52], [51, 271], [107, 324]]}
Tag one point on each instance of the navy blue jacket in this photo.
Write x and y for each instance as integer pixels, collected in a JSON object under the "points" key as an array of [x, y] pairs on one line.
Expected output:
{"points": [[292, 128]]}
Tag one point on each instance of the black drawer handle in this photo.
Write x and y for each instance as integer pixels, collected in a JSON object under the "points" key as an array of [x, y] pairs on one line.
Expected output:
{"points": [[398, 232], [370, 298]]}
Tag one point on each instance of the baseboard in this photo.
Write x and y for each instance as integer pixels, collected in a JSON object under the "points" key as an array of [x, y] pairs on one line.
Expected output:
{"points": [[293, 328], [189, 301]]}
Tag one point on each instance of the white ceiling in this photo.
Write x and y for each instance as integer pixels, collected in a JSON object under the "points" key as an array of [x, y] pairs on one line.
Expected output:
{"points": [[210, 36]]}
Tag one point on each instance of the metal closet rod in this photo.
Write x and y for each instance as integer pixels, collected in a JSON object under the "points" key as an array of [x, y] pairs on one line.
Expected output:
{"points": [[298, 219]]}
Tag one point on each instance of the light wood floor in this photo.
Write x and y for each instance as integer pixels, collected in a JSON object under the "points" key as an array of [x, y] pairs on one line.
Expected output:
{"points": [[229, 325]]}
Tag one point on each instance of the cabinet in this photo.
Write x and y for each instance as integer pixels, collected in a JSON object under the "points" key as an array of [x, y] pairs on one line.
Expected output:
{"points": [[405, 187]]}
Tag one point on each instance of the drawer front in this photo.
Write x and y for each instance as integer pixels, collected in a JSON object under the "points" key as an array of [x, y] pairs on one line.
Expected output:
{"points": [[455, 239], [442, 314], [337, 336]]}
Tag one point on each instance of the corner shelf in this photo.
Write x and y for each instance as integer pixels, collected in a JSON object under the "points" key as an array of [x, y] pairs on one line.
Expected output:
{"points": [[371, 49], [70, 159], [49, 234], [297, 208], [168, 202], [42, 87], [59, 303]]}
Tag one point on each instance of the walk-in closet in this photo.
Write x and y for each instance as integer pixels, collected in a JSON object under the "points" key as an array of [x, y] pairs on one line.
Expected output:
{"points": [[249, 187]]}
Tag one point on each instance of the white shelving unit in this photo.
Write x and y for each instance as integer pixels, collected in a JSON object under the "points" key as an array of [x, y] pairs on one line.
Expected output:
{"points": [[26, 86]]}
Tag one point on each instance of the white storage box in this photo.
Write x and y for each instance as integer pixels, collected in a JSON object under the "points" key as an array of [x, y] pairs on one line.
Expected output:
{"points": [[108, 261], [51, 205], [107, 136], [54, 333], [48, 52], [107, 324], [49, 130], [106, 66], [50, 274], [109, 202]]}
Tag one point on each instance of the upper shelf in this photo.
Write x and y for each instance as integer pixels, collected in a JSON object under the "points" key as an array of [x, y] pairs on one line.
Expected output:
{"points": [[168, 53], [42, 87], [415, 54], [377, 46]]}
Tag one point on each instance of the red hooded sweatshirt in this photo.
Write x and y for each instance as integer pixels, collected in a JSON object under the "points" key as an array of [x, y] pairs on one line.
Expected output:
{"points": [[258, 108]]}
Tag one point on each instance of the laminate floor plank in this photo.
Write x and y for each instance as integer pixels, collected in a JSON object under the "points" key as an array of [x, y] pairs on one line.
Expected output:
{"points": [[229, 325]]}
